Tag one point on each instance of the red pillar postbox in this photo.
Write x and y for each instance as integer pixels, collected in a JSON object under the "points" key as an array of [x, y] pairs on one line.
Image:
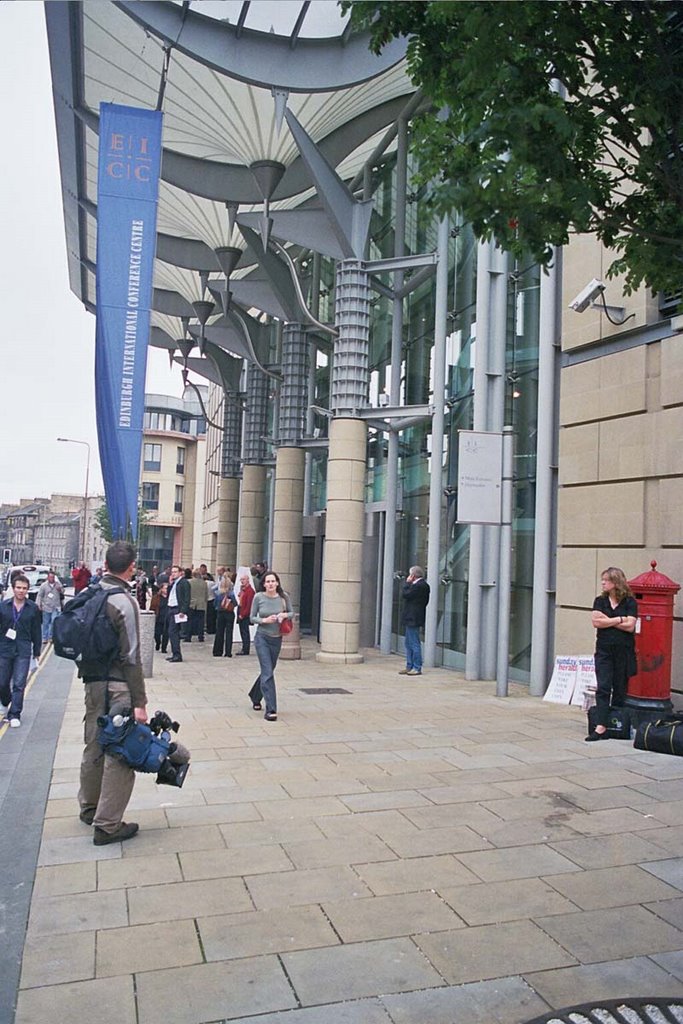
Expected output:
{"points": [[650, 689]]}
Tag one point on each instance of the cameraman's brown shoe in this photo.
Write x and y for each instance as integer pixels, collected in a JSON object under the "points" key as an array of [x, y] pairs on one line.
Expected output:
{"points": [[124, 831]]}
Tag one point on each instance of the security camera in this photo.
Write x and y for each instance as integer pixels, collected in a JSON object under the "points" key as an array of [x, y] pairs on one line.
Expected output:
{"points": [[586, 296]]}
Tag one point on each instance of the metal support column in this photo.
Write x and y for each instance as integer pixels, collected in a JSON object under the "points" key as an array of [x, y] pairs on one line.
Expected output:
{"points": [[294, 386], [391, 495], [230, 473], [543, 601], [252, 541], [505, 568], [436, 466], [489, 406], [495, 379], [288, 491], [480, 417], [310, 399]]}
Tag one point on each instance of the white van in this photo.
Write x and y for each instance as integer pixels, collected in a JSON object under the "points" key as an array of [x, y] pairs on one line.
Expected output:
{"points": [[36, 575]]}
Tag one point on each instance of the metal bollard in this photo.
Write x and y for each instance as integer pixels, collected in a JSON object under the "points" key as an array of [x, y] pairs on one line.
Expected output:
{"points": [[147, 621]]}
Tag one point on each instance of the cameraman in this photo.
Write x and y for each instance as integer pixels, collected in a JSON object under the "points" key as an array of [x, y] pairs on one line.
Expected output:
{"points": [[107, 782]]}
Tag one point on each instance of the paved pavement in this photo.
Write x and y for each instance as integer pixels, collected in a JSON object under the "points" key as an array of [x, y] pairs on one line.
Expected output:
{"points": [[408, 851]]}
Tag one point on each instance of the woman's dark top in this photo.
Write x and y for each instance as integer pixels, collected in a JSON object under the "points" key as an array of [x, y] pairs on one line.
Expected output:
{"points": [[609, 637]]}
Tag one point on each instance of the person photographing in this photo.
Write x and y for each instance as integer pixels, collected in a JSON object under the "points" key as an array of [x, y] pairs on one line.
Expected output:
{"points": [[106, 781], [415, 593]]}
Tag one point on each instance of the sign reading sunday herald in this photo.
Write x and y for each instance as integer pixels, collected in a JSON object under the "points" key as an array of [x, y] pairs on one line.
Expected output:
{"points": [[127, 193]]}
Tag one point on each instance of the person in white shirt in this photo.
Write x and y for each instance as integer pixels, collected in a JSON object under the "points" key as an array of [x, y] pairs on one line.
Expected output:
{"points": [[49, 602]]}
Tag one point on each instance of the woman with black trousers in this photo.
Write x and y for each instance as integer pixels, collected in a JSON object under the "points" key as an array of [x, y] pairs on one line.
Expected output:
{"points": [[614, 617], [225, 604]]}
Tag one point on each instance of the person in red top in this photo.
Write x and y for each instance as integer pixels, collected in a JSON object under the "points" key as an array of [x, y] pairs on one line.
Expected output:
{"points": [[246, 596], [81, 577]]}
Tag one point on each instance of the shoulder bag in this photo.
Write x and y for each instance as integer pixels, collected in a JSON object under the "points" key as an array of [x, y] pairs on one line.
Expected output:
{"points": [[286, 625]]}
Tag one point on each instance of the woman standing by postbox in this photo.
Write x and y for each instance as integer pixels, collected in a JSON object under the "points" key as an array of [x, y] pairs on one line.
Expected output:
{"points": [[614, 617]]}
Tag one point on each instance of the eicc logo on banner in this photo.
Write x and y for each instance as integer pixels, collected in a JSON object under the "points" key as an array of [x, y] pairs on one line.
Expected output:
{"points": [[128, 158]]}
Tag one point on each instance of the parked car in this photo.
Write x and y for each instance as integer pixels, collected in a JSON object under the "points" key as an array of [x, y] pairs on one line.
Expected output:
{"points": [[36, 575]]}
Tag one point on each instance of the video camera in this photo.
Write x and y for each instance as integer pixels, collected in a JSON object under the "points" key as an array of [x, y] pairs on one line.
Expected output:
{"points": [[161, 722], [146, 748], [170, 773]]}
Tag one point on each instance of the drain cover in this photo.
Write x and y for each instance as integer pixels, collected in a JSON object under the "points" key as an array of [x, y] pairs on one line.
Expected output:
{"points": [[323, 689], [618, 1011]]}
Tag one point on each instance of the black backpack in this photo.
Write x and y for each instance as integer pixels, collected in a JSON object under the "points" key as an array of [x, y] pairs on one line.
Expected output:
{"points": [[84, 633]]}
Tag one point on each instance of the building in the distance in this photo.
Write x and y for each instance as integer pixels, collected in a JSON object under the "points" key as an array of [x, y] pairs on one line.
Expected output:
{"points": [[172, 480], [50, 531]]}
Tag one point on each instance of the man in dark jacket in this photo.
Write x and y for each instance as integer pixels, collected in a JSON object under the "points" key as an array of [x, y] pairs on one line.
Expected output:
{"points": [[178, 609], [415, 601], [20, 638]]}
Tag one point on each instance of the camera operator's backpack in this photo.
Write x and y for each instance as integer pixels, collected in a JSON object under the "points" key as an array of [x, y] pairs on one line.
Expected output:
{"points": [[133, 742], [84, 633]]}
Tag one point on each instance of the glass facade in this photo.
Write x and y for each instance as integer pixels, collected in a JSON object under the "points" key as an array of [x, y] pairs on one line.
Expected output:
{"points": [[516, 405], [155, 546]]}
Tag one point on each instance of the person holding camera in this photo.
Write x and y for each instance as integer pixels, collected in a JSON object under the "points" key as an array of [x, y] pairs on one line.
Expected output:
{"points": [[268, 611], [107, 782], [415, 600]]}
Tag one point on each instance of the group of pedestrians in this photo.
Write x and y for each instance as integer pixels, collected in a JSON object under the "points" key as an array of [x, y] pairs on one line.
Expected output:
{"points": [[185, 598]]}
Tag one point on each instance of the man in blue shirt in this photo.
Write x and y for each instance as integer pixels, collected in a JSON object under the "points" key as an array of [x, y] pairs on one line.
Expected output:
{"points": [[20, 632]]}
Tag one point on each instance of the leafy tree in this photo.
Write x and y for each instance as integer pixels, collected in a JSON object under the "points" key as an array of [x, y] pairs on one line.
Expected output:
{"points": [[103, 523], [551, 117]]}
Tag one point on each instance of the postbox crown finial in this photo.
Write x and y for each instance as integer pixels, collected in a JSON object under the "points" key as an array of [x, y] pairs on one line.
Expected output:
{"points": [[653, 582]]}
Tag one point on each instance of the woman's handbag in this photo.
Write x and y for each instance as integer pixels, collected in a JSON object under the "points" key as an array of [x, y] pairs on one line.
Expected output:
{"points": [[286, 625], [227, 604]]}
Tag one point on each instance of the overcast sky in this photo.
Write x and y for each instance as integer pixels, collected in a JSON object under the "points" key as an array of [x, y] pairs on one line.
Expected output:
{"points": [[48, 338]]}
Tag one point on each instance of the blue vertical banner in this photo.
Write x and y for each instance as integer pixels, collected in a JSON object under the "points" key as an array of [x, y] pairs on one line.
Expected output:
{"points": [[127, 194]]}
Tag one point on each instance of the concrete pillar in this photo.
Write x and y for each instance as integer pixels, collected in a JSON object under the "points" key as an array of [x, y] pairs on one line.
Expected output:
{"points": [[342, 571], [226, 548], [288, 521], [252, 540]]}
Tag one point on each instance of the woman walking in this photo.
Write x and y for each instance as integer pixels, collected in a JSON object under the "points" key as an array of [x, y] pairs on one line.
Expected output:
{"points": [[614, 617], [269, 609]]}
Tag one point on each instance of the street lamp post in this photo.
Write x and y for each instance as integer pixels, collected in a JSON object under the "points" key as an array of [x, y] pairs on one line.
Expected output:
{"points": [[72, 440]]}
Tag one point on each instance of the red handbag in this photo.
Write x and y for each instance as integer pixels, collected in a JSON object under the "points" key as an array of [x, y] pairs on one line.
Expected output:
{"points": [[286, 625]]}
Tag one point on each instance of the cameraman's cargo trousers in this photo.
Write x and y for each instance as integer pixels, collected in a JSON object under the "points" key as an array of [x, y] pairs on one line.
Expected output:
{"points": [[106, 782]]}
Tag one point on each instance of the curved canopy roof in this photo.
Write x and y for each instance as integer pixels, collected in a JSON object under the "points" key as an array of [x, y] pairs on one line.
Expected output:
{"points": [[223, 86]]}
